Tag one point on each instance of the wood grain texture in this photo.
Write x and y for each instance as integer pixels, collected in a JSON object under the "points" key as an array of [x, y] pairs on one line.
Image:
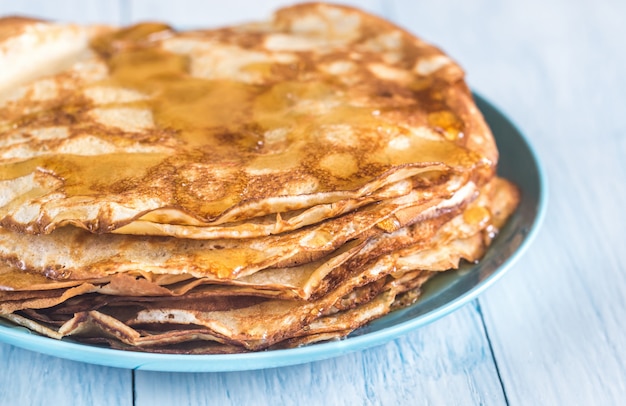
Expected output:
{"points": [[556, 322], [28, 378], [448, 362]]}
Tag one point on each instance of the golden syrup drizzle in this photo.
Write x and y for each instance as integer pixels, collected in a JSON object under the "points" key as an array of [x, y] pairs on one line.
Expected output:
{"points": [[477, 215], [222, 122], [107, 169], [448, 122], [198, 110], [425, 150], [226, 263], [389, 225]]}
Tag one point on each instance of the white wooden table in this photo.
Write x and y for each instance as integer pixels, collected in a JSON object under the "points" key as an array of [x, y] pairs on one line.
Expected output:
{"points": [[551, 332]]}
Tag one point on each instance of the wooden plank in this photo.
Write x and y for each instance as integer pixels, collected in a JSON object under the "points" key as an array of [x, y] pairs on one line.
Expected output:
{"points": [[556, 321], [109, 12], [448, 362], [559, 319], [29, 378]]}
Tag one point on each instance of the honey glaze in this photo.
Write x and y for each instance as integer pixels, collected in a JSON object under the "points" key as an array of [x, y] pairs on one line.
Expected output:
{"points": [[477, 215], [209, 124], [199, 111], [111, 171]]}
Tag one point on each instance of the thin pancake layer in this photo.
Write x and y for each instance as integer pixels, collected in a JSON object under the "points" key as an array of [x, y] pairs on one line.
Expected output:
{"points": [[368, 287], [71, 253], [321, 104], [495, 202]]}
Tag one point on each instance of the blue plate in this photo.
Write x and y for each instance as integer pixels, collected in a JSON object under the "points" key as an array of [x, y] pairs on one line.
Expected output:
{"points": [[442, 295]]}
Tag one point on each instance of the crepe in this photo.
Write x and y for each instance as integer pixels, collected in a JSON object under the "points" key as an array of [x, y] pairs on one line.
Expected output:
{"points": [[212, 127], [246, 188], [362, 284]]}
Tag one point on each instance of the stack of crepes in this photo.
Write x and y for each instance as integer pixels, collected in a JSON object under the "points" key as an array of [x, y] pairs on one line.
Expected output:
{"points": [[254, 187]]}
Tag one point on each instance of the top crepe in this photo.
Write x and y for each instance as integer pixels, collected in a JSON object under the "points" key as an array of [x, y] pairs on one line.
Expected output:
{"points": [[213, 133]]}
